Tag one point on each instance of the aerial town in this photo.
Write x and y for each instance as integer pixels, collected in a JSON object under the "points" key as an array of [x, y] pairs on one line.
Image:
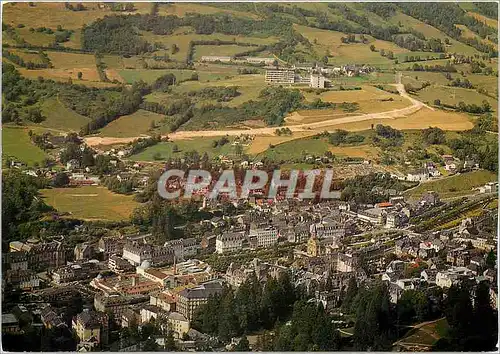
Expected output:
{"points": [[99, 100]]}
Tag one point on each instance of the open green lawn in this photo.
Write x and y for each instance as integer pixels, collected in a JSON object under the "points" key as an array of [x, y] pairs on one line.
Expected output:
{"points": [[454, 95], [61, 118], [149, 76], [455, 186], [219, 50], [16, 143], [297, 149], [249, 87], [132, 125], [90, 203], [201, 145]]}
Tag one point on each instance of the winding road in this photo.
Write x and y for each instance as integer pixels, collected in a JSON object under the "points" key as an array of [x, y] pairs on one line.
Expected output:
{"points": [[319, 126]]}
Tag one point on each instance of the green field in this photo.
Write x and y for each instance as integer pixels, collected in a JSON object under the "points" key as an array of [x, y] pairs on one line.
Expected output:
{"points": [[223, 50], [132, 125], [426, 335], [249, 87], [296, 149], [28, 55], [356, 53], [61, 118], [62, 60], [90, 203], [149, 76], [16, 143], [201, 145], [183, 35], [431, 32], [455, 186], [454, 95]]}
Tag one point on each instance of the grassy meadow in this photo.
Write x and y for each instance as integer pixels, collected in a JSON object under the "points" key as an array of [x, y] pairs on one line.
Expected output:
{"points": [[90, 203], [16, 143]]}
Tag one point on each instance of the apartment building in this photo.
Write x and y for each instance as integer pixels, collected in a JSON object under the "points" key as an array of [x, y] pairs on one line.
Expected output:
{"points": [[280, 76], [117, 304], [41, 256], [136, 253], [229, 242], [190, 299], [264, 237]]}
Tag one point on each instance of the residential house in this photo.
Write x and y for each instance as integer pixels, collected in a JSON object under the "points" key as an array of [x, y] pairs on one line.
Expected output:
{"points": [[91, 327]]}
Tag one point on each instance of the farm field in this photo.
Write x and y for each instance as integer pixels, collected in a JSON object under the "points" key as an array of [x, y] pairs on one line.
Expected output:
{"points": [[467, 33], [182, 36], [261, 143], [427, 334], [28, 55], [132, 125], [422, 119], [454, 95], [354, 53], [249, 86], [90, 76], [223, 50], [181, 9], [363, 151], [164, 150], [296, 149], [369, 98], [489, 21], [52, 14], [62, 60], [149, 76], [36, 38], [16, 143], [455, 186], [61, 118], [90, 203], [432, 32]]}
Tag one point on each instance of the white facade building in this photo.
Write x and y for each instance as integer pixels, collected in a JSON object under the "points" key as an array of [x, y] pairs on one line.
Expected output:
{"points": [[229, 242]]}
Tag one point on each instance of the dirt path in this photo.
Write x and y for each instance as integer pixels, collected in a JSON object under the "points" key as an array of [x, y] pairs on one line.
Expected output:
{"points": [[181, 135]]}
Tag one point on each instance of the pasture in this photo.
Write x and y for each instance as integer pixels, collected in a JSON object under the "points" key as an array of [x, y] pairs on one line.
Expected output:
{"points": [[421, 119], [165, 150], [28, 55], [454, 186], [182, 9], [431, 32], [324, 41], [90, 76], [63, 60], [16, 143], [51, 14], [296, 150], [61, 118], [182, 36], [90, 203], [132, 125], [454, 95], [486, 20], [223, 50]]}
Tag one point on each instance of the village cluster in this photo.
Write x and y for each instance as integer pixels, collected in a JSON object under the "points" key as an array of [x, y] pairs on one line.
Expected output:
{"points": [[131, 280]]}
